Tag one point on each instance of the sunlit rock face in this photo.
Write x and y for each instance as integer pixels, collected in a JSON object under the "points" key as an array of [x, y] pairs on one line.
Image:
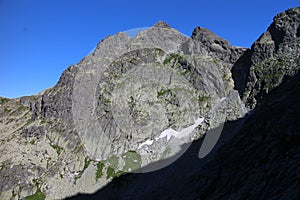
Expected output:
{"points": [[135, 100], [257, 156], [136, 104], [132, 89]]}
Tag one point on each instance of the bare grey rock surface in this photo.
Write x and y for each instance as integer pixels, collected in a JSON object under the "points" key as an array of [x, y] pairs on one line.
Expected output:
{"points": [[136, 104], [257, 155], [272, 57]]}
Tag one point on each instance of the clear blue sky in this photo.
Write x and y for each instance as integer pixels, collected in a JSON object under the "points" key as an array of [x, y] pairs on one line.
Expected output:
{"points": [[41, 38]]}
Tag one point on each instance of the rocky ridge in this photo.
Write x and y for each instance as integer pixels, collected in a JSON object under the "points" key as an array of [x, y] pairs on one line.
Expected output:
{"points": [[272, 57], [138, 101]]}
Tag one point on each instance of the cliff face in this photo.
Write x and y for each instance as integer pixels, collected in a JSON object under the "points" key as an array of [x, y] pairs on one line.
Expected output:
{"points": [[139, 104], [272, 57]]}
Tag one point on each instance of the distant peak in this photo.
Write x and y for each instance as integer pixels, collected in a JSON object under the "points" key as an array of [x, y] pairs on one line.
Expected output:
{"points": [[201, 31], [207, 37], [196, 30], [161, 24]]}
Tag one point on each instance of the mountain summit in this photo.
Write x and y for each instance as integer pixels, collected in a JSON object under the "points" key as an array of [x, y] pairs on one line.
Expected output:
{"points": [[162, 116], [161, 24]]}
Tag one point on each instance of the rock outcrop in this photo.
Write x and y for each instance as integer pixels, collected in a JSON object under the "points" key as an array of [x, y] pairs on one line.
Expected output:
{"points": [[272, 57], [259, 161], [257, 156], [140, 104]]}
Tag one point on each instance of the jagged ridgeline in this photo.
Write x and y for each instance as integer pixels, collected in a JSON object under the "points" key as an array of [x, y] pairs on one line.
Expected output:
{"points": [[136, 104]]}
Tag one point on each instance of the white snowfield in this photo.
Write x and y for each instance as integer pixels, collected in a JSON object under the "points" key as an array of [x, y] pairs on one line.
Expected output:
{"points": [[147, 142], [181, 134], [171, 132]]}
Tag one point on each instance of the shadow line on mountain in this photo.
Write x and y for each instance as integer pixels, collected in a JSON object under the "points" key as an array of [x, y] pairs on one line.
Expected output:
{"points": [[184, 166]]}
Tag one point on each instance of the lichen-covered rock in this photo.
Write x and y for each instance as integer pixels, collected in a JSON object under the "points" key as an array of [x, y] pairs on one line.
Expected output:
{"points": [[272, 57], [257, 156], [129, 91], [136, 105]]}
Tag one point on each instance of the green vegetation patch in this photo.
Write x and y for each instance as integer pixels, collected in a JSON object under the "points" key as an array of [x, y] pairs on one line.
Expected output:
{"points": [[112, 173], [132, 161], [271, 71], [38, 195], [3, 100], [203, 98], [57, 148], [99, 172], [32, 141], [107, 101], [171, 57], [7, 110], [78, 148], [112, 161], [87, 162], [163, 92]]}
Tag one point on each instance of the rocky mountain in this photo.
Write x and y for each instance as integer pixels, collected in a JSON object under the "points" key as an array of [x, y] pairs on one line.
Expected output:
{"points": [[272, 57], [138, 117]]}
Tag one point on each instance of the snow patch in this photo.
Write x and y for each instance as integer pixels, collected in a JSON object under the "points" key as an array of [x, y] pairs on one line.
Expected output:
{"points": [[147, 142], [171, 132], [181, 134]]}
